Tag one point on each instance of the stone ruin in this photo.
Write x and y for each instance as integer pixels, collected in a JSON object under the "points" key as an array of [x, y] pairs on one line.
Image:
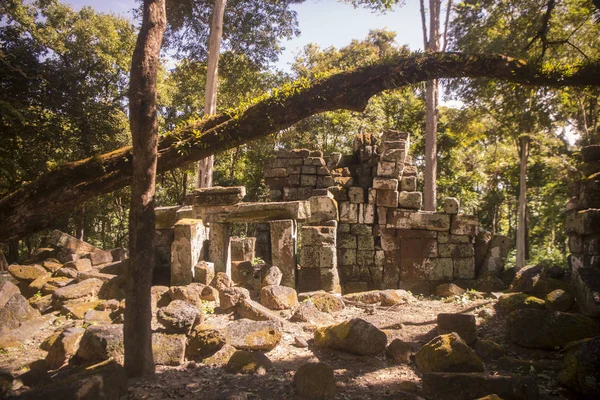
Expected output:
{"points": [[350, 223]]}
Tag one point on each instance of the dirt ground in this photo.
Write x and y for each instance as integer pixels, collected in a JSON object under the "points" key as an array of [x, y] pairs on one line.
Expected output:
{"points": [[358, 377]]}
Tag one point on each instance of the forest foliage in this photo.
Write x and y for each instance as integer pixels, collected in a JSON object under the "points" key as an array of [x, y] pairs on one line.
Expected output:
{"points": [[64, 79]]}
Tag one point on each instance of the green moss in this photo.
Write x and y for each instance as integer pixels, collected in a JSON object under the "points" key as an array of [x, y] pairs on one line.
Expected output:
{"points": [[517, 301]]}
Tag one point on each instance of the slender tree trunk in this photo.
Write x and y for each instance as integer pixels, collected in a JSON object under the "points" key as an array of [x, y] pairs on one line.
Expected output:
{"points": [[3, 262], [144, 131], [524, 141], [431, 104], [205, 166], [13, 252], [80, 223]]}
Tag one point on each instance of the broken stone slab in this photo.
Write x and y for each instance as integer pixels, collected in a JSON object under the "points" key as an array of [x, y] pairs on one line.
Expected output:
{"points": [[98, 257], [15, 311], [260, 212], [27, 273], [248, 362], [356, 336], [219, 196], [253, 335], [179, 316], [410, 200], [464, 225], [399, 219], [187, 249], [495, 258], [468, 386], [254, 311], [168, 349], [7, 290], [73, 245], [448, 353], [586, 286], [64, 347], [204, 272], [101, 342], [323, 208], [278, 297], [79, 291], [82, 276], [283, 249], [77, 310], [83, 264]]}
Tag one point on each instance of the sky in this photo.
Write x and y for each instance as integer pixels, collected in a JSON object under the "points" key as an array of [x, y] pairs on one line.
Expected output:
{"points": [[324, 22]]}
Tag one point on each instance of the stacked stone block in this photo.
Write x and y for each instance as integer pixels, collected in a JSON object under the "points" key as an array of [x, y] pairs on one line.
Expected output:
{"points": [[318, 259], [293, 174], [583, 227]]}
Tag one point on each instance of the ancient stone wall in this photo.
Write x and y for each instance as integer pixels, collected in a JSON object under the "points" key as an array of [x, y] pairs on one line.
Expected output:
{"points": [[583, 227]]}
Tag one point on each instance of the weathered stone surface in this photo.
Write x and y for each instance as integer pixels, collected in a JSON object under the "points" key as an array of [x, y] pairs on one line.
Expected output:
{"points": [[489, 350], [408, 184], [64, 347], [581, 368], [490, 283], [516, 301], [283, 249], [400, 351], [584, 222], [15, 311], [101, 342], [60, 239], [219, 196], [399, 219], [385, 183], [559, 300], [463, 324], [262, 212], [451, 205], [80, 291], [168, 349], [586, 287], [82, 276], [231, 297], [464, 225], [7, 290], [77, 310], [323, 208], [495, 258], [27, 273], [315, 380], [179, 316], [204, 341], [221, 357], [55, 283], [278, 297], [186, 293], [468, 386], [410, 200], [355, 336], [41, 303], [248, 362], [326, 302], [80, 265], [186, 250], [447, 353], [308, 312], [221, 281], [204, 272], [106, 382], [51, 265], [449, 289], [272, 277], [348, 212], [254, 311], [98, 257], [253, 335], [543, 329]]}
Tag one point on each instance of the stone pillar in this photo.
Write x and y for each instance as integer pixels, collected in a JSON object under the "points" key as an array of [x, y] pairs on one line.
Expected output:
{"points": [[187, 249], [283, 249], [219, 248]]}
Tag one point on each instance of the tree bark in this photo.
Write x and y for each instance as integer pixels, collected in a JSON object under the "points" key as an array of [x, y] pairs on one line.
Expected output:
{"points": [[524, 141], [39, 204], [205, 166], [431, 110], [143, 122], [3, 262]]}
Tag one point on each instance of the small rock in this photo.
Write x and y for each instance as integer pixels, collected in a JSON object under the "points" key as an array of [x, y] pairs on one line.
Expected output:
{"points": [[393, 297], [230, 297], [248, 362], [278, 297], [463, 324], [179, 317], [273, 277], [315, 380], [400, 351], [300, 342], [559, 300], [447, 353], [356, 336]]}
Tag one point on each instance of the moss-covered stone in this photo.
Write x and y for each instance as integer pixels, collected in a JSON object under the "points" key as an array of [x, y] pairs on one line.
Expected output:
{"points": [[315, 381], [278, 297], [328, 303], [517, 301], [559, 300], [355, 336], [253, 335], [221, 357], [544, 329], [168, 349], [248, 362], [489, 350], [581, 367], [204, 341], [447, 353]]}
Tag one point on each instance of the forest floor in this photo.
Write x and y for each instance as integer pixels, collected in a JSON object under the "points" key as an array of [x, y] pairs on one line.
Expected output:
{"points": [[357, 377]]}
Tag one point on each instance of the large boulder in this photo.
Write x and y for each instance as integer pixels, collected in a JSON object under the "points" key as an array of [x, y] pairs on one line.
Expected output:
{"points": [[101, 342], [355, 336], [510, 302], [27, 273], [559, 300], [64, 347], [248, 362], [315, 380], [581, 367], [253, 335], [168, 349], [543, 329], [186, 293], [278, 297], [179, 317], [535, 280], [463, 324], [204, 341], [469, 386], [447, 353], [16, 311]]}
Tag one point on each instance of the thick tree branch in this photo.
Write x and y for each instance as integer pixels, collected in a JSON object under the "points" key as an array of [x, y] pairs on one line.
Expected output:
{"points": [[37, 205]]}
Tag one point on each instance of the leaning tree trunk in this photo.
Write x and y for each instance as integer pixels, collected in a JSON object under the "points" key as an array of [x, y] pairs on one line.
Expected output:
{"points": [[144, 131], [524, 141], [39, 204], [205, 166]]}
